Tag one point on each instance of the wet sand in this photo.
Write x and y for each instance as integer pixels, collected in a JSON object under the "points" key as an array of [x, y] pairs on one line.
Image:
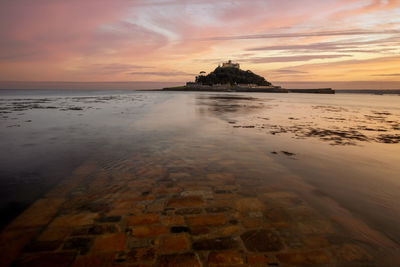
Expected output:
{"points": [[218, 180]]}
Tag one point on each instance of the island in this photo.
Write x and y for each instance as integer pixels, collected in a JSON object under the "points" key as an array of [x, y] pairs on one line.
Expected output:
{"points": [[228, 77]]}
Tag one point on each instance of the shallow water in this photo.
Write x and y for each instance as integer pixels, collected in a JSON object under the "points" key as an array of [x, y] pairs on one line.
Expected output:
{"points": [[339, 154]]}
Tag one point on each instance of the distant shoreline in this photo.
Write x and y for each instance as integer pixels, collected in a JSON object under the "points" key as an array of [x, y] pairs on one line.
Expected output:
{"points": [[356, 87], [340, 91], [244, 89]]}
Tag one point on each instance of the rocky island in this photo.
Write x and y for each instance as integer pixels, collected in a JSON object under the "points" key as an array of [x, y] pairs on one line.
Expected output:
{"points": [[228, 77]]}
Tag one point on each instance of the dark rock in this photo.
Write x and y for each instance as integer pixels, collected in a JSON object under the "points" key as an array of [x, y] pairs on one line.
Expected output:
{"points": [[288, 153]]}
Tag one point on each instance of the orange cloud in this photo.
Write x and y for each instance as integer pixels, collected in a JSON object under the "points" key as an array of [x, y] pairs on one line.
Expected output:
{"points": [[165, 40]]}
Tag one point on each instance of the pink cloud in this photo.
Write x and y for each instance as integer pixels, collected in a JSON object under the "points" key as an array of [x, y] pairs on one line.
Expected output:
{"points": [[108, 39]]}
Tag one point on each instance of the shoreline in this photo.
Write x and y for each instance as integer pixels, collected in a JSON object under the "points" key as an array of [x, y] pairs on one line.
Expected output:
{"points": [[250, 90]]}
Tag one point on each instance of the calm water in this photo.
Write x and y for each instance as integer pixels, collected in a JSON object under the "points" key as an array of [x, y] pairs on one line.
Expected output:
{"points": [[339, 152]]}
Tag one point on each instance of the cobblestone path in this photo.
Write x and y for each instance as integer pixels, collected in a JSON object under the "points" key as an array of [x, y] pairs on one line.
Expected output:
{"points": [[173, 214]]}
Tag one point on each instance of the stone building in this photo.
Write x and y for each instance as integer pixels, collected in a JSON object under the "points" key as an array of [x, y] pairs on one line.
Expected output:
{"points": [[230, 64]]}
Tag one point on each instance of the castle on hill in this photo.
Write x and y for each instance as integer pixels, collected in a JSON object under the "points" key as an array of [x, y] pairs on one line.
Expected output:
{"points": [[230, 78], [230, 64]]}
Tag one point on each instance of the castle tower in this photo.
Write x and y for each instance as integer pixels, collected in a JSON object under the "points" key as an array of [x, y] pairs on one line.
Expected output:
{"points": [[230, 64]]}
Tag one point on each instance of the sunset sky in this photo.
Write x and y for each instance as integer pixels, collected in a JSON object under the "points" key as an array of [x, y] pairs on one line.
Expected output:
{"points": [[173, 40]]}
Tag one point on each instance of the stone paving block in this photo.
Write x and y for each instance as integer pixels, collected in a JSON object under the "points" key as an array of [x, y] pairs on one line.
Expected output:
{"points": [[98, 260], [199, 230], [147, 254], [100, 229], [51, 234], [207, 220], [228, 230], [144, 219], [180, 260], [73, 220], [257, 259], [167, 190], [262, 241], [110, 242], [189, 201], [224, 258], [188, 211], [205, 194], [150, 231], [220, 243], [133, 243], [156, 206], [173, 220], [249, 204], [60, 259], [301, 258], [174, 243]]}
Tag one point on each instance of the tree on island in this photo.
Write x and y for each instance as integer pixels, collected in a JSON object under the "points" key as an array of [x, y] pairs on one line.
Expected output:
{"points": [[224, 75]]}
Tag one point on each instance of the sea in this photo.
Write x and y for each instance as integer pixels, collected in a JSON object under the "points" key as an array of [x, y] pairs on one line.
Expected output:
{"points": [[338, 153]]}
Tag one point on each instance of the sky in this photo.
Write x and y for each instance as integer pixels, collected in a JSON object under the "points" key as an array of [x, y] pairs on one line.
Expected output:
{"points": [[173, 40]]}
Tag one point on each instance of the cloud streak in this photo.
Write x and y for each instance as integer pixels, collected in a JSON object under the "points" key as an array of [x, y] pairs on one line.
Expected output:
{"points": [[171, 40], [387, 75], [162, 73], [295, 58], [305, 34], [331, 46]]}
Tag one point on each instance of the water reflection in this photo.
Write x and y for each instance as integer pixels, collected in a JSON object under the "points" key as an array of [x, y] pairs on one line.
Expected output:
{"points": [[219, 172], [331, 123], [220, 104]]}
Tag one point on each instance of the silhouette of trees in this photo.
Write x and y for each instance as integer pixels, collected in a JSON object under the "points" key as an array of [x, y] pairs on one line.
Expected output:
{"points": [[224, 75]]}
